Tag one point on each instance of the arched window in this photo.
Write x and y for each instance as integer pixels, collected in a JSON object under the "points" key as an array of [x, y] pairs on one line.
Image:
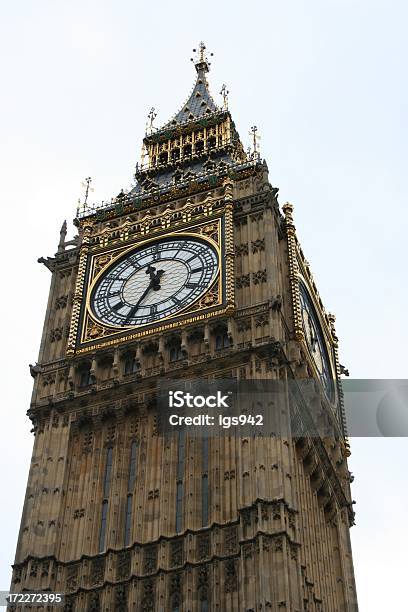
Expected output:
{"points": [[85, 377], [175, 353], [131, 485], [106, 486], [128, 519], [131, 364], [102, 532], [222, 340]]}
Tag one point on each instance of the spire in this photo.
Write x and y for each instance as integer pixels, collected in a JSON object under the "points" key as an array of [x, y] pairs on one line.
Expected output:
{"points": [[63, 235], [200, 103]]}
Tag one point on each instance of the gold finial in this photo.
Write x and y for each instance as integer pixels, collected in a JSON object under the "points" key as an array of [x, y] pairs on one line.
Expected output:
{"points": [[255, 142], [150, 120], [224, 92], [86, 184], [201, 51], [201, 62]]}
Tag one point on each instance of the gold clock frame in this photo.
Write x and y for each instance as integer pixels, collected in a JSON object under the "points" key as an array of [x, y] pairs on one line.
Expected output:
{"points": [[88, 334]]}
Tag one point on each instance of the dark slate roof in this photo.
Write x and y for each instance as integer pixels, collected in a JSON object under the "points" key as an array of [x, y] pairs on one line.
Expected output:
{"points": [[199, 104]]}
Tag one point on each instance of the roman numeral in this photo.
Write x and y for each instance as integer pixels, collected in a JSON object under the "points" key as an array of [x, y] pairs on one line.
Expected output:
{"points": [[118, 306], [191, 285], [197, 270]]}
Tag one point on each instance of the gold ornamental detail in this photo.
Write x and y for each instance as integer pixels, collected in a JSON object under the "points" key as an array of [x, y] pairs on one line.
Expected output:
{"points": [[150, 223]]}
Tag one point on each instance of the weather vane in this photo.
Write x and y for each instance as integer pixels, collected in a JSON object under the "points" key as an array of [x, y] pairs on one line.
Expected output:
{"points": [[224, 92], [255, 144], [150, 119]]}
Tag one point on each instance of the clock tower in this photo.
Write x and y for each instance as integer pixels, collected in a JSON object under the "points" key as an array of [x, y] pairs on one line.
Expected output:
{"points": [[195, 273]]}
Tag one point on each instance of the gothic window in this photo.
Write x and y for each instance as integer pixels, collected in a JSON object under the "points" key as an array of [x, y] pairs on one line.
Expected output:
{"points": [[222, 340], [131, 364], [108, 471], [175, 154], [102, 532], [187, 149], [204, 483], [176, 353], [163, 157], [128, 519], [132, 466], [131, 484], [106, 486], [105, 368], [180, 477], [85, 377]]}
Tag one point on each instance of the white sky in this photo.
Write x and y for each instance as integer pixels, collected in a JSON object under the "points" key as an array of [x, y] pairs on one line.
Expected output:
{"points": [[324, 80]]}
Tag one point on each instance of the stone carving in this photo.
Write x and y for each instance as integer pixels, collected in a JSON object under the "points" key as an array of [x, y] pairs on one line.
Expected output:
{"points": [[148, 596], [121, 599], [230, 539], [97, 571], [258, 245], [202, 577], [175, 583], [259, 277], [241, 249], [242, 281], [61, 302], [231, 578], [203, 546], [69, 604], [277, 544], [176, 553], [150, 559], [56, 334], [94, 604], [72, 577], [123, 565]]}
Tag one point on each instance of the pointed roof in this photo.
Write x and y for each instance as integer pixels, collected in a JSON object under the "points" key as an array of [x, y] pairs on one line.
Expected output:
{"points": [[200, 102]]}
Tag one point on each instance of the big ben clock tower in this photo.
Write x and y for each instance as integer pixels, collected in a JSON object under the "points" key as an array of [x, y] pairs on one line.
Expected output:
{"points": [[195, 273]]}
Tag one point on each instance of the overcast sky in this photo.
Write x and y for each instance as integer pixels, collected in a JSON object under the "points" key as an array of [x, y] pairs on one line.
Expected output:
{"points": [[324, 81]]}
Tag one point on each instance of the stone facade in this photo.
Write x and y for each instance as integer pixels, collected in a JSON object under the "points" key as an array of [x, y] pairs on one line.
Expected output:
{"points": [[100, 516]]}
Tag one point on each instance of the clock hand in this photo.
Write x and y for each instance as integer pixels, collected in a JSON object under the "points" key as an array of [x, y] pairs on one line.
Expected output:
{"points": [[154, 284], [136, 306]]}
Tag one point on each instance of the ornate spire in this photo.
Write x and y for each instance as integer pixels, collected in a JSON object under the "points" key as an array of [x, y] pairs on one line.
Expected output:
{"points": [[200, 103], [63, 235]]}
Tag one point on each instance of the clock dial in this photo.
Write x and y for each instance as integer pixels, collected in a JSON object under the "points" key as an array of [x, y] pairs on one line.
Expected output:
{"points": [[315, 342], [154, 282]]}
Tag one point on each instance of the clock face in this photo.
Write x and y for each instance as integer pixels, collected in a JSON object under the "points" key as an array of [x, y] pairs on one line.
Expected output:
{"points": [[315, 342], [154, 281]]}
